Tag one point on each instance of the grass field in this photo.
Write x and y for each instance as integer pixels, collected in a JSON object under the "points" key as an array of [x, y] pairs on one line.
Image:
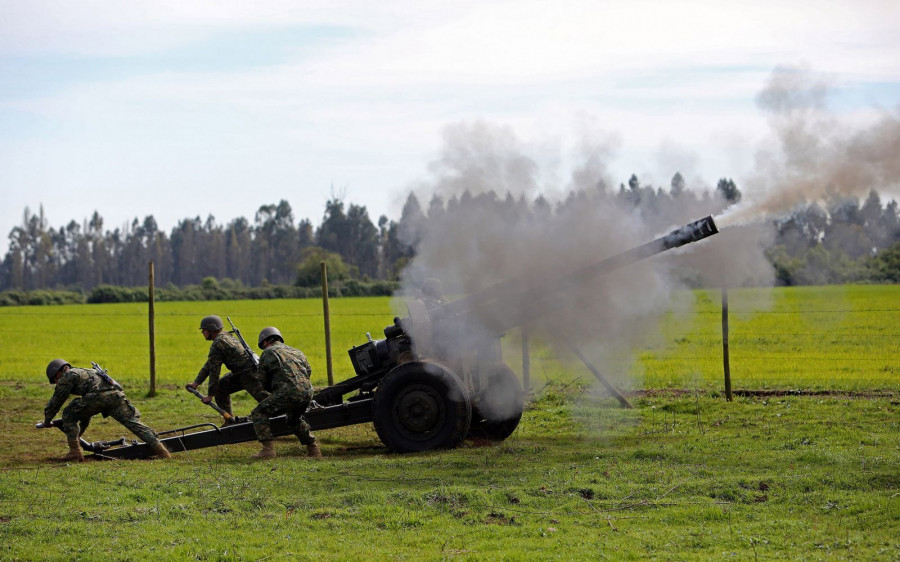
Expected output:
{"points": [[800, 338], [117, 335], [683, 475]]}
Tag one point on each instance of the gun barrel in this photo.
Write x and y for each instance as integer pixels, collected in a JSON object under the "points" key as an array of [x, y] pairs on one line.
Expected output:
{"points": [[693, 232]]}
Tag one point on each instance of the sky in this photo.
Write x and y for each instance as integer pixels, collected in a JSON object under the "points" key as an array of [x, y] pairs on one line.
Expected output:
{"points": [[178, 109]]}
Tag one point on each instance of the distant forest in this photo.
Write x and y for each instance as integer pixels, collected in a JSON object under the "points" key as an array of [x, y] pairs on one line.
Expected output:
{"points": [[842, 240]]}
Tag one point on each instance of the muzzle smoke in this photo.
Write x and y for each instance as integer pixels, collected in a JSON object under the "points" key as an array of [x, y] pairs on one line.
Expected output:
{"points": [[814, 156], [473, 238], [493, 214]]}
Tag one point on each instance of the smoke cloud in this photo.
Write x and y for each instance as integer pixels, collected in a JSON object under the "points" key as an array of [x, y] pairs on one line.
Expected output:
{"points": [[814, 155], [509, 225], [507, 219]]}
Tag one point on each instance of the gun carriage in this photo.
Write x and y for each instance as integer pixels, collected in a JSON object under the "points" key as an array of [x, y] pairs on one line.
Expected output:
{"points": [[433, 380]]}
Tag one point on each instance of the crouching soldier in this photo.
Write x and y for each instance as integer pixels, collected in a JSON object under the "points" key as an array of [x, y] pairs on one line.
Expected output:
{"points": [[226, 350], [99, 395], [286, 373]]}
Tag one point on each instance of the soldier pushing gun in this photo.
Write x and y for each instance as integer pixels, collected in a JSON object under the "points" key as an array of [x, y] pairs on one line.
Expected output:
{"points": [[99, 394], [234, 353]]}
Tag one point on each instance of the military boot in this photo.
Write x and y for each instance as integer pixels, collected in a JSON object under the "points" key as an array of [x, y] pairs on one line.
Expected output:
{"points": [[312, 450], [160, 450], [267, 451], [74, 453]]}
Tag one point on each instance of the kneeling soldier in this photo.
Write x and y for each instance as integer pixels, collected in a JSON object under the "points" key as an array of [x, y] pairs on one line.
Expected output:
{"points": [[286, 372], [99, 395]]}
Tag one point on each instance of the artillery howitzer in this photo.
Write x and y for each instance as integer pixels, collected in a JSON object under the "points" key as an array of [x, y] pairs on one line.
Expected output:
{"points": [[435, 380], [438, 376]]}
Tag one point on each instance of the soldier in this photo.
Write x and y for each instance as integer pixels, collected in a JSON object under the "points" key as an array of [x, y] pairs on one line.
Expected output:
{"points": [[432, 293], [286, 372], [225, 349], [99, 395]]}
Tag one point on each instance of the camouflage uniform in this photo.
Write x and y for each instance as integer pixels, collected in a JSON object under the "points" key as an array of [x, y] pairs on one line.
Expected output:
{"points": [[432, 294], [225, 349], [97, 397], [286, 371]]}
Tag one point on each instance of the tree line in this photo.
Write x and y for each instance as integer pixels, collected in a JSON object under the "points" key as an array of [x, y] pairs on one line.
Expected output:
{"points": [[272, 250], [842, 240]]}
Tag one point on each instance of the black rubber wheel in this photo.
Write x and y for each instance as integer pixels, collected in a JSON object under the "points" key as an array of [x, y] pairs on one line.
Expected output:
{"points": [[421, 406], [497, 407]]}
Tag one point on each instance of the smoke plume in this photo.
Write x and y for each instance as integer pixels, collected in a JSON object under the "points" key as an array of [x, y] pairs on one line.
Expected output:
{"points": [[503, 227], [507, 219], [814, 155]]}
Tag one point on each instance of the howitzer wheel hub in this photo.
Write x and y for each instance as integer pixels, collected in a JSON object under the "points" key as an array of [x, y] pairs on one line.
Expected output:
{"points": [[419, 411]]}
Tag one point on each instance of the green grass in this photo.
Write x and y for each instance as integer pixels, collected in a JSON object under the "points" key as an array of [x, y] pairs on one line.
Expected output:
{"points": [[685, 475], [844, 338], [117, 335], [804, 338], [679, 477], [841, 337]]}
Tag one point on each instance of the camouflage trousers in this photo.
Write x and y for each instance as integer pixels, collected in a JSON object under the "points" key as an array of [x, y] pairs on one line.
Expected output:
{"points": [[292, 402], [77, 415], [236, 382]]}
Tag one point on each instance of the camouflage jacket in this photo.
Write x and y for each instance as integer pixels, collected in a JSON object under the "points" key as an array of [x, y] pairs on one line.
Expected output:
{"points": [[227, 350], [281, 367], [77, 381], [432, 302]]}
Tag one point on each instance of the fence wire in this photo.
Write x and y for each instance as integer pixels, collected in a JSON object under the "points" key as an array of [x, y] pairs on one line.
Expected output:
{"points": [[802, 348]]}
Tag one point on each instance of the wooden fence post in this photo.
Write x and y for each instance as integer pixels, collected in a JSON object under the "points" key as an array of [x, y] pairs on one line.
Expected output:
{"points": [[327, 324], [152, 320], [725, 358], [526, 362]]}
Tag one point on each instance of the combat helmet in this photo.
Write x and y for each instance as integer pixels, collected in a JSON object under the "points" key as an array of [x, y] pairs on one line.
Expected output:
{"points": [[267, 333], [54, 368], [211, 323], [432, 287]]}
